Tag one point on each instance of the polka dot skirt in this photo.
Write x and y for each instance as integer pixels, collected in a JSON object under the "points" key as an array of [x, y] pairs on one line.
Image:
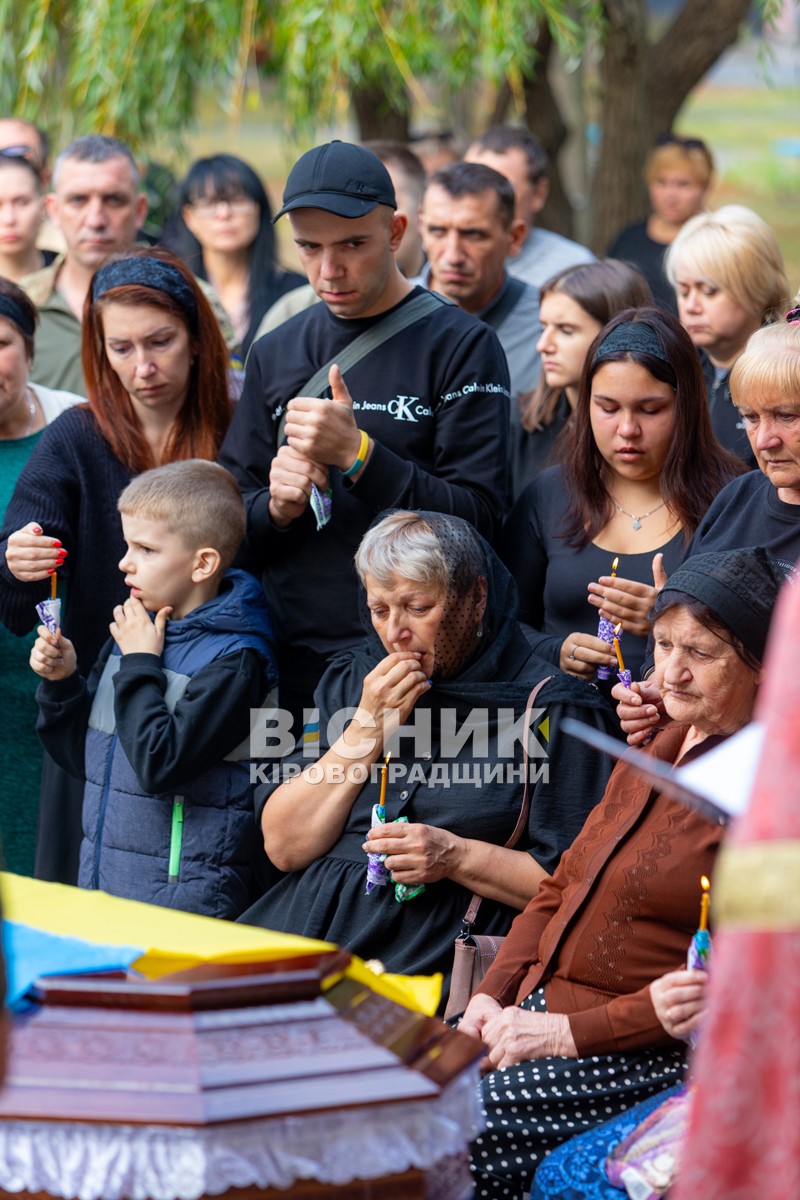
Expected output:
{"points": [[533, 1107]]}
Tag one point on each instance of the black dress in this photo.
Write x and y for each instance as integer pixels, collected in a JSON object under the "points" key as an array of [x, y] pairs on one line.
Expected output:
{"points": [[471, 793]]}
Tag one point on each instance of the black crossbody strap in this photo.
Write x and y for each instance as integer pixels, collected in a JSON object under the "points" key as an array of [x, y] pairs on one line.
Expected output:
{"points": [[522, 820], [393, 323]]}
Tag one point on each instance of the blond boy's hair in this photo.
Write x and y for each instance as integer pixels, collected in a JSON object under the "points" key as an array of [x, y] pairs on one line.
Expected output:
{"points": [[197, 500]]}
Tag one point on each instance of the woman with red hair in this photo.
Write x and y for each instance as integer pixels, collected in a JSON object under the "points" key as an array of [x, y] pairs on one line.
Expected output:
{"points": [[155, 368]]}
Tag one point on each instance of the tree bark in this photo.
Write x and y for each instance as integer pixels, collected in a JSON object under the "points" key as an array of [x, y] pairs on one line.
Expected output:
{"points": [[377, 116], [543, 117], [618, 190], [700, 33], [643, 88]]}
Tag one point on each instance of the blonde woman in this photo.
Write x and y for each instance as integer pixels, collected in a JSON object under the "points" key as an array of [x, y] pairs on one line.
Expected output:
{"points": [[729, 275]]}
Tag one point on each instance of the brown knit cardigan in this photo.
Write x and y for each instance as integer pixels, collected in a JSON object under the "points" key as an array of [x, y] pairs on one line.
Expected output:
{"points": [[619, 912]]}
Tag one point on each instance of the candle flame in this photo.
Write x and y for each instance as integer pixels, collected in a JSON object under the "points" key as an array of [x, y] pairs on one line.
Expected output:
{"points": [[705, 882], [614, 566], [617, 629], [384, 770]]}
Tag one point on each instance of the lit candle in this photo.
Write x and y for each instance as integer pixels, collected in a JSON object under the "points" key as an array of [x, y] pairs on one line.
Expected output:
{"points": [[384, 768], [53, 585], [705, 884], [617, 650], [605, 630]]}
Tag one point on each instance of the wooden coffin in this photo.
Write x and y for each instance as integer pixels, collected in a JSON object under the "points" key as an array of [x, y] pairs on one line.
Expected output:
{"points": [[222, 1044]]}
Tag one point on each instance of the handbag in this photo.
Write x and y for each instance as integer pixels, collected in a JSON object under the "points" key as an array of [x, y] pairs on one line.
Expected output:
{"points": [[474, 953]]}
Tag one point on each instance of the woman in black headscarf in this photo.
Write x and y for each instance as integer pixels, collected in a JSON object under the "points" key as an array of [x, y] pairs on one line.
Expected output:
{"points": [[446, 659]]}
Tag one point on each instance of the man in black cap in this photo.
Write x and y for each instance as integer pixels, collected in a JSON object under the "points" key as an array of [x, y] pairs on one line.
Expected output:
{"points": [[383, 396]]}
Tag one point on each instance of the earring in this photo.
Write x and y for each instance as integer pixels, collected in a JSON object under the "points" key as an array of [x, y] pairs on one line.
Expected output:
{"points": [[480, 633]]}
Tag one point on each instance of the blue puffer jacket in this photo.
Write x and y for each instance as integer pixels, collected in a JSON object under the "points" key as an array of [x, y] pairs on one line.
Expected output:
{"points": [[168, 809]]}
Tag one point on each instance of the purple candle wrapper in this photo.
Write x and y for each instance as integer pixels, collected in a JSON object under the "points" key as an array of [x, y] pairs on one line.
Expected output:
{"points": [[625, 677], [605, 630], [699, 956], [321, 504], [698, 959], [377, 875], [50, 612]]}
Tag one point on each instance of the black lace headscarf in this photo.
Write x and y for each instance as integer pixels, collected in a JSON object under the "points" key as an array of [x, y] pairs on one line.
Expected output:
{"points": [[472, 651]]}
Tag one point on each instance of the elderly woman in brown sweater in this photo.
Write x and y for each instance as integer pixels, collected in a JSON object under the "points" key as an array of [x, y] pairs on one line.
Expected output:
{"points": [[566, 1011]]}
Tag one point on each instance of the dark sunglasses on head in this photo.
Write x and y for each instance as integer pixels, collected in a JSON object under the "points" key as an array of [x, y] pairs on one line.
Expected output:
{"points": [[675, 139], [16, 151], [25, 154]]}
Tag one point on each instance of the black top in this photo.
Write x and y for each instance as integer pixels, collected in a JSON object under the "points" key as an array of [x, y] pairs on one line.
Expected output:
{"points": [[552, 577], [635, 246], [534, 450], [727, 423], [748, 512], [435, 400]]}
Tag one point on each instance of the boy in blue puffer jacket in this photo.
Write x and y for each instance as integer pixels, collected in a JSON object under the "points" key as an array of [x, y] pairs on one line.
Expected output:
{"points": [[160, 730]]}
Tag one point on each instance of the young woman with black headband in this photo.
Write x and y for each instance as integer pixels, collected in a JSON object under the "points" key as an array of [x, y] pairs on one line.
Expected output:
{"points": [[638, 471]]}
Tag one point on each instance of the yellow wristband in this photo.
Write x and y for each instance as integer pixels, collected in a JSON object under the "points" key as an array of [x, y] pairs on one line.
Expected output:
{"points": [[361, 457]]}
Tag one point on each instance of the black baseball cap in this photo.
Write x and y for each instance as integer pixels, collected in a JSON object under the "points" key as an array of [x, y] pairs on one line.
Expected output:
{"points": [[339, 178]]}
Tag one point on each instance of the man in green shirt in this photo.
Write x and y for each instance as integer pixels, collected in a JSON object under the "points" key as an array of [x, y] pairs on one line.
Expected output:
{"points": [[98, 204]]}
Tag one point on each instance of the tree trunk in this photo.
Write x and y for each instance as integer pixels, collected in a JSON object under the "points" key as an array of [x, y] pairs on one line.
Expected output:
{"points": [[618, 188], [701, 32], [377, 116], [543, 117]]}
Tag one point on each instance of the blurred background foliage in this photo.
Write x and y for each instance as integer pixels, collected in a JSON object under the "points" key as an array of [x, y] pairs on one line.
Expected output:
{"points": [[597, 80]]}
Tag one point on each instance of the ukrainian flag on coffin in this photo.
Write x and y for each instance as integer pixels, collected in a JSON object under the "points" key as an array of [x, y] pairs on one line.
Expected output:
{"points": [[55, 929]]}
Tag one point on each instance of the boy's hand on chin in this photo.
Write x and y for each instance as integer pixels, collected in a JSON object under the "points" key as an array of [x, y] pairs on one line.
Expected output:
{"points": [[134, 632]]}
